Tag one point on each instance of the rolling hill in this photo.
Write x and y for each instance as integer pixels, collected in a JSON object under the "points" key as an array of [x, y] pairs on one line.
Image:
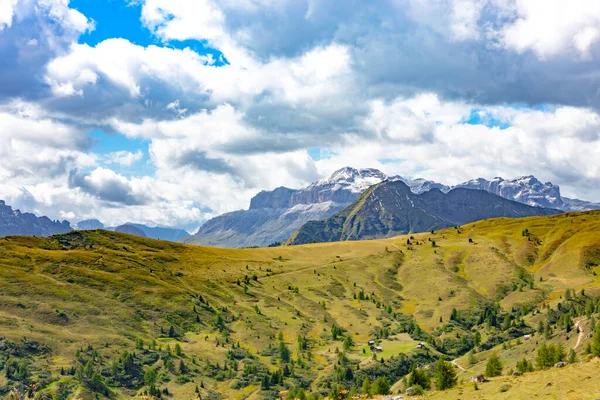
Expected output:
{"points": [[391, 208], [103, 314]]}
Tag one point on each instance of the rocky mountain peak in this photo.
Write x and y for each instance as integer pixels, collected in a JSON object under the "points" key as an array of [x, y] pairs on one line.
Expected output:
{"points": [[16, 223], [348, 178]]}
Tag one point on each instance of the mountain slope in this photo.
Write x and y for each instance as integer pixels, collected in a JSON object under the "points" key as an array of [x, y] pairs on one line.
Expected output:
{"points": [[274, 215], [162, 233], [16, 223], [529, 190], [391, 208], [130, 230], [95, 295], [89, 225]]}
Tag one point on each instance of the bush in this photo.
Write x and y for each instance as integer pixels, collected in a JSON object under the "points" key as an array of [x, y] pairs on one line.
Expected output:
{"points": [[415, 391]]}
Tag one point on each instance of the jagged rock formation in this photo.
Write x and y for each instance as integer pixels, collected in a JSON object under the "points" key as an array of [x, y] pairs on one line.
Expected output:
{"points": [[391, 208], [16, 223]]}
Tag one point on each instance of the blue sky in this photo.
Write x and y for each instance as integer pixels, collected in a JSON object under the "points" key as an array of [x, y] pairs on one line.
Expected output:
{"points": [[121, 19], [170, 112]]}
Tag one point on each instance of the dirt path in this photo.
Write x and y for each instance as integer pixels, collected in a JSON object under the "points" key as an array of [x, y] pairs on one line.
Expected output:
{"points": [[315, 267], [461, 368], [580, 336]]}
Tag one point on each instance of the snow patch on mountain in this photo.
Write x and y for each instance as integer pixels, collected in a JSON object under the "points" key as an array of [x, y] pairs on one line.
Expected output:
{"points": [[351, 179]]}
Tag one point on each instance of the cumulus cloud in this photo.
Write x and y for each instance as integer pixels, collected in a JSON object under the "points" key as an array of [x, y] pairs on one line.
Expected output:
{"points": [[6, 13], [556, 144], [124, 158], [551, 27], [107, 185], [389, 84]]}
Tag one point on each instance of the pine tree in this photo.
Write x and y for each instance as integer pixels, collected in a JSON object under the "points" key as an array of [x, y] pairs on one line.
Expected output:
{"points": [[284, 352], [381, 386], [572, 357], [546, 356], [419, 377], [493, 366], [366, 386], [596, 343], [524, 366], [472, 359], [445, 376], [559, 353]]}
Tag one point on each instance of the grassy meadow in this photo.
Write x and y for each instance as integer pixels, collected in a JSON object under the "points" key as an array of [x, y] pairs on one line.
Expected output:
{"points": [[82, 299]]}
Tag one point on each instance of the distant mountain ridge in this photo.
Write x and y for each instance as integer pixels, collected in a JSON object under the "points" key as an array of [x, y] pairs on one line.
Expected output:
{"points": [[391, 208], [154, 232], [162, 233], [130, 230], [16, 223], [89, 225], [274, 215]]}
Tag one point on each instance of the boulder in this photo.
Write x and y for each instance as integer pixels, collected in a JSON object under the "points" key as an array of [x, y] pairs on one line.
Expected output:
{"points": [[561, 364]]}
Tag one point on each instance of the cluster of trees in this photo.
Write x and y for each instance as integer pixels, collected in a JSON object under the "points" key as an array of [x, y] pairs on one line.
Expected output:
{"points": [[550, 354]]}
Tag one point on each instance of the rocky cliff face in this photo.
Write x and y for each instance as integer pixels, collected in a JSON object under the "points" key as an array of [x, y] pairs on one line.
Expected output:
{"points": [[274, 215], [526, 189], [391, 208], [16, 223]]}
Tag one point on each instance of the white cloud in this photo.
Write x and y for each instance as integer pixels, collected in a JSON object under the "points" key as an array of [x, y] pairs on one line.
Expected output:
{"points": [[552, 27], [556, 145], [124, 158], [69, 18], [182, 20], [364, 84], [6, 13]]}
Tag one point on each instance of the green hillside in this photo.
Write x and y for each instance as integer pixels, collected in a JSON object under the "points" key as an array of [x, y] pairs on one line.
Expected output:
{"points": [[102, 314], [390, 208]]}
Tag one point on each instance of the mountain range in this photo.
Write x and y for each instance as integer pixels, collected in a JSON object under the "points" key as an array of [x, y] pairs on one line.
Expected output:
{"points": [[275, 215], [156, 232], [16, 223], [391, 208]]}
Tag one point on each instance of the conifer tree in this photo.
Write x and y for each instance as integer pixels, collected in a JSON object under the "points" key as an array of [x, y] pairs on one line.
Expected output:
{"points": [[493, 366]]}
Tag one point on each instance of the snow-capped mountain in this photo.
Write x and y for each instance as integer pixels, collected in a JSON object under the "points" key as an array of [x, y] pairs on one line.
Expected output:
{"points": [[420, 185], [274, 215], [529, 190], [391, 208], [347, 178]]}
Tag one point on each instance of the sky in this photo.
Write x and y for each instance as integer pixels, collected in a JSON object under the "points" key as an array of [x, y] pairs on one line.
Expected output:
{"points": [[170, 112]]}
